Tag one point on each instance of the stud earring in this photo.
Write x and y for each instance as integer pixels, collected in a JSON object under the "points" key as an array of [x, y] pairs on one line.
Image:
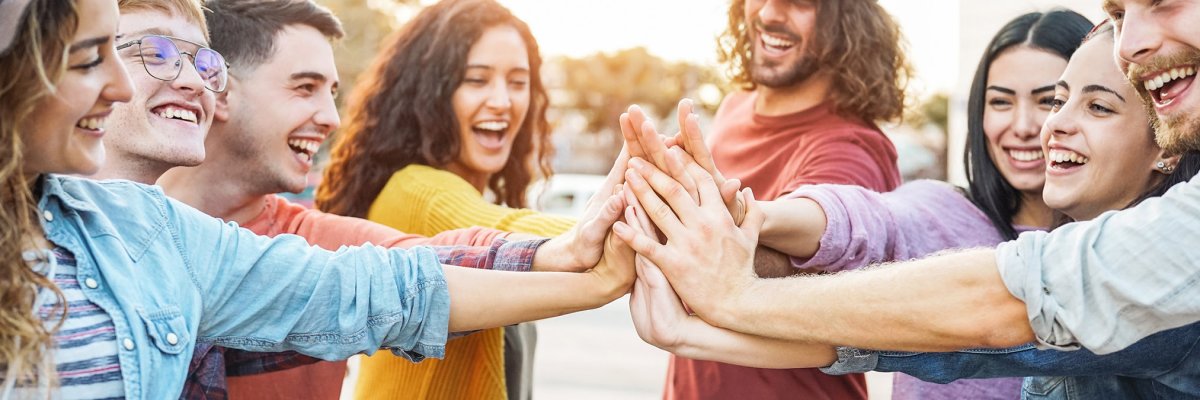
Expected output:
{"points": [[1160, 165], [1168, 170]]}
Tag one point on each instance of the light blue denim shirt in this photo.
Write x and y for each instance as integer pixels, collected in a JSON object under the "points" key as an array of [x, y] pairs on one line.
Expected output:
{"points": [[1109, 282], [170, 276]]}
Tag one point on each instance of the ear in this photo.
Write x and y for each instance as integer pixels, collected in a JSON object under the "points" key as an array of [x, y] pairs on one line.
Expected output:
{"points": [[1168, 163], [221, 114]]}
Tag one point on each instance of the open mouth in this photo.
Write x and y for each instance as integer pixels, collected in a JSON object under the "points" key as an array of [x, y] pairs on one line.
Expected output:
{"points": [[94, 124], [490, 133], [1063, 160], [305, 149], [775, 43], [1167, 86], [174, 112]]}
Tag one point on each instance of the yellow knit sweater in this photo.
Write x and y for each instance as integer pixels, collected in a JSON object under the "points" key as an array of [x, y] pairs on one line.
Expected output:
{"points": [[424, 200]]}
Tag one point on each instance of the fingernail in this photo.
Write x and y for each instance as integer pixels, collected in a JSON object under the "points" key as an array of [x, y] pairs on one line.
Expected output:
{"points": [[637, 162], [621, 228]]}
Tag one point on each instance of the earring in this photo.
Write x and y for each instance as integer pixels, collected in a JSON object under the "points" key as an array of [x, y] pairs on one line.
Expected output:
{"points": [[1168, 170], [1160, 165]]}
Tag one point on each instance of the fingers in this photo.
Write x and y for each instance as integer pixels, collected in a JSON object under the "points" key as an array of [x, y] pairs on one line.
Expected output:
{"points": [[629, 132], [652, 144], [693, 142], [754, 216], [675, 167], [710, 195], [640, 243], [648, 183], [731, 194]]}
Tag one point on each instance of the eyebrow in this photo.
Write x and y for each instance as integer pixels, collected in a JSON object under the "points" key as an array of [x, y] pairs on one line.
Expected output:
{"points": [[1098, 88], [1047, 88], [89, 43], [309, 75], [144, 32], [489, 67]]}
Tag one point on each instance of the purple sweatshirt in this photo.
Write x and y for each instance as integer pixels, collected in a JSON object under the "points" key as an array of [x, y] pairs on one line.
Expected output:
{"points": [[917, 219]]}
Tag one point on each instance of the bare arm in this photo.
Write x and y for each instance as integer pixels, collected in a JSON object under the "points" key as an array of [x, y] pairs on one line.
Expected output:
{"points": [[949, 302], [481, 299]]}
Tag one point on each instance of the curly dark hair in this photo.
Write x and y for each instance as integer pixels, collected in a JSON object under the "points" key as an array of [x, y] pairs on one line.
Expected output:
{"points": [[401, 112], [855, 39]]}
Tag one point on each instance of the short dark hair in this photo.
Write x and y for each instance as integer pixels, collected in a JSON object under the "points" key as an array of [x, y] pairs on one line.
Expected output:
{"points": [[244, 30], [1059, 32]]}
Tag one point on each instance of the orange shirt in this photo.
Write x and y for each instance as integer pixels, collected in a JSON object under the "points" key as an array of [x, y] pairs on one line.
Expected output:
{"points": [[323, 380], [773, 156]]}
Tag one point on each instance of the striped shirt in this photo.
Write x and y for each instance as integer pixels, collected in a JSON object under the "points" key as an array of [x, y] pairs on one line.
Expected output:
{"points": [[85, 353]]}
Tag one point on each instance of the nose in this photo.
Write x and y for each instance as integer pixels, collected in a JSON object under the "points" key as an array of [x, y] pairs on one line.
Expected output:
{"points": [[327, 115], [1028, 121], [499, 97], [189, 79], [1139, 38], [120, 87], [1060, 123], [772, 12]]}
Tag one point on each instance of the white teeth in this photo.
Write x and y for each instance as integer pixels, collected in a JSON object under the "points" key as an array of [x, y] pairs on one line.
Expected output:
{"points": [[178, 113], [498, 126], [774, 41], [1061, 156], [1167, 76], [307, 147], [1026, 155], [92, 123]]}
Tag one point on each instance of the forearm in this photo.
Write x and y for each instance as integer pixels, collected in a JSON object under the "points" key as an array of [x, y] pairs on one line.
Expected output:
{"points": [[792, 226], [705, 342], [941, 303], [487, 299]]}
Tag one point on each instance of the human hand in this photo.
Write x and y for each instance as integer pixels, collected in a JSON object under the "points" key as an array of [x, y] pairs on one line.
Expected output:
{"points": [[580, 248], [644, 141], [707, 257]]}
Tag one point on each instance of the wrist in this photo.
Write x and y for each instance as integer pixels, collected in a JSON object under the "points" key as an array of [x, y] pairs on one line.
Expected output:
{"points": [[549, 256]]}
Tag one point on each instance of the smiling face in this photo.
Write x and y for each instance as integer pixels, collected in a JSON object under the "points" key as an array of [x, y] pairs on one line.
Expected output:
{"points": [[1158, 46], [1101, 153], [491, 103], [279, 113], [165, 124], [782, 33], [1020, 90], [64, 132]]}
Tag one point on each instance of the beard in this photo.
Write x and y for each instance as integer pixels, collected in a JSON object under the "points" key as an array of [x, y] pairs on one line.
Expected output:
{"points": [[775, 74], [1177, 133]]}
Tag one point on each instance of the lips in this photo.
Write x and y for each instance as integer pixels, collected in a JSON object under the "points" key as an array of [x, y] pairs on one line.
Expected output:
{"points": [[305, 148], [491, 134], [178, 112]]}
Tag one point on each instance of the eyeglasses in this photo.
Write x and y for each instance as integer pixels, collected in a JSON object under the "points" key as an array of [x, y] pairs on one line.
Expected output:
{"points": [[163, 60]]}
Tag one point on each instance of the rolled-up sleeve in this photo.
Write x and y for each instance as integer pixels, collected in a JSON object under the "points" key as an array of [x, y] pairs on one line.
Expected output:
{"points": [[1106, 283]]}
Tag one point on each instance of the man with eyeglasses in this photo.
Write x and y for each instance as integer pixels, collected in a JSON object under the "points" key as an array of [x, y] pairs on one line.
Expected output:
{"points": [[260, 128], [176, 77]]}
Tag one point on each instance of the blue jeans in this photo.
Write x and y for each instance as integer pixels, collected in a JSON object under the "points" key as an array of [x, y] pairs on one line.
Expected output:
{"points": [[1165, 365]]}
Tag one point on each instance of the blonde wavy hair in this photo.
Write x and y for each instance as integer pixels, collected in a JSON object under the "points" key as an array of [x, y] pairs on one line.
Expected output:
{"points": [[855, 39], [28, 73]]}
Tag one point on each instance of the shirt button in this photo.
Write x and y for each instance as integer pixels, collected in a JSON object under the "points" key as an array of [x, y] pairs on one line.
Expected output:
{"points": [[1046, 291], [172, 339], [48, 216], [90, 283], [128, 343]]}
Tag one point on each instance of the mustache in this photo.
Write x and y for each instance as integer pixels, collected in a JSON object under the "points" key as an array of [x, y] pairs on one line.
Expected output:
{"points": [[1137, 71], [776, 30]]}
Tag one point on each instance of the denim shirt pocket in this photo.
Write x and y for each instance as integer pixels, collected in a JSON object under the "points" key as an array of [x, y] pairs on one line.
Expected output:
{"points": [[1048, 387], [167, 329]]}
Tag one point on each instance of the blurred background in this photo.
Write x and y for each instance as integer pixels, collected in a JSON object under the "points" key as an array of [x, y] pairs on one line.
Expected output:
{"points": [[602, 56]]}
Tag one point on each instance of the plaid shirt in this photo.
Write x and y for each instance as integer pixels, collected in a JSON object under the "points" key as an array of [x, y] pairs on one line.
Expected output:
{"points": [[211, 364]]}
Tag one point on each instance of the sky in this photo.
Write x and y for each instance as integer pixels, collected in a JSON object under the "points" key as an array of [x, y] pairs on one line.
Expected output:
{"points": [[687, 30]]}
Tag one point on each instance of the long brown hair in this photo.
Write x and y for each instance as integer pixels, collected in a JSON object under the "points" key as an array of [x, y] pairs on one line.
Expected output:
{"points": [[855, 39], [28, 72], [401, 112]]}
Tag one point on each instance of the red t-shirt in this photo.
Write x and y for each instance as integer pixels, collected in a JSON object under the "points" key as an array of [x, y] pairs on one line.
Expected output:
{"points": [[773, 156]]}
